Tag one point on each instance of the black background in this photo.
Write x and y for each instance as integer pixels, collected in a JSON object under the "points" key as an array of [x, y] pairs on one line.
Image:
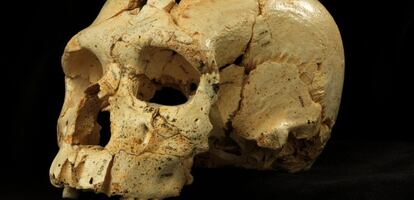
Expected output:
{"points": [[370, 154]]}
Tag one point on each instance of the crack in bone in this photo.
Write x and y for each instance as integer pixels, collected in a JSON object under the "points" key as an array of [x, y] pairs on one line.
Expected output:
{"points": [[132, 5]]}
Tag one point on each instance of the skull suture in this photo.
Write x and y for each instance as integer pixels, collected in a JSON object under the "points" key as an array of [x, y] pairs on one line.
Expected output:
{"points": [[262, 79]]}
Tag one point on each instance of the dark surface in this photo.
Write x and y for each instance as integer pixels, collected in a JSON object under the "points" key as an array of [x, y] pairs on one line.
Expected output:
{"points": [[370, 155]]}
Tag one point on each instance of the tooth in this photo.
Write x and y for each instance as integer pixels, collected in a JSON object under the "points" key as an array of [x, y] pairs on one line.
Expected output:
{"points": [[70, 193]]}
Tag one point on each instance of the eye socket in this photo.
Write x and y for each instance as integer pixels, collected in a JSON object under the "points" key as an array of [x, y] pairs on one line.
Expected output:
{"points": [[83, 69], [83, 64], [169, 78]]}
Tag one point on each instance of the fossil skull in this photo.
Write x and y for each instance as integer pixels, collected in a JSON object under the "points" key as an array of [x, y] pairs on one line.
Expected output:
{"points": [[261, 81]]}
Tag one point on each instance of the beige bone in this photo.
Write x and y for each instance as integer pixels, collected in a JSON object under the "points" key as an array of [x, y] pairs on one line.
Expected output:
{"points": [[262, 81]]}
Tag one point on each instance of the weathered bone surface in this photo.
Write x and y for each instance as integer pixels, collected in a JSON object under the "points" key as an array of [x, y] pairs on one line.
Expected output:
{"points": [[260, 80]]}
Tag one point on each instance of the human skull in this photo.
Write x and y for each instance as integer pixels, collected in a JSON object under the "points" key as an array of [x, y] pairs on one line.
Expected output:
{"points": [[262, 82]]}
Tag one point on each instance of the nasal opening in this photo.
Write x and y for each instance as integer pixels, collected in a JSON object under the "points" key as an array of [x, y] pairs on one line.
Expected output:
{"points": [[105, 131]]}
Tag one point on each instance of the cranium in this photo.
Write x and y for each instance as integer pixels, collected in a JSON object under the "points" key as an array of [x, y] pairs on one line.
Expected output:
{"points": [[262, 82]]}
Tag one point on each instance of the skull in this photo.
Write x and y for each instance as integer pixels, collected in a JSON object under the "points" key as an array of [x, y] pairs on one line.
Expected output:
{"points": [[260, 84]]}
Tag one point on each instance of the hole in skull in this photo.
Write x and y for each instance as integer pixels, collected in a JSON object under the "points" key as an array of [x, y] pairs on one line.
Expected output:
{"points": [[193, 87], [105, 133], [169, 78], [177, 1], [168, 96]]}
